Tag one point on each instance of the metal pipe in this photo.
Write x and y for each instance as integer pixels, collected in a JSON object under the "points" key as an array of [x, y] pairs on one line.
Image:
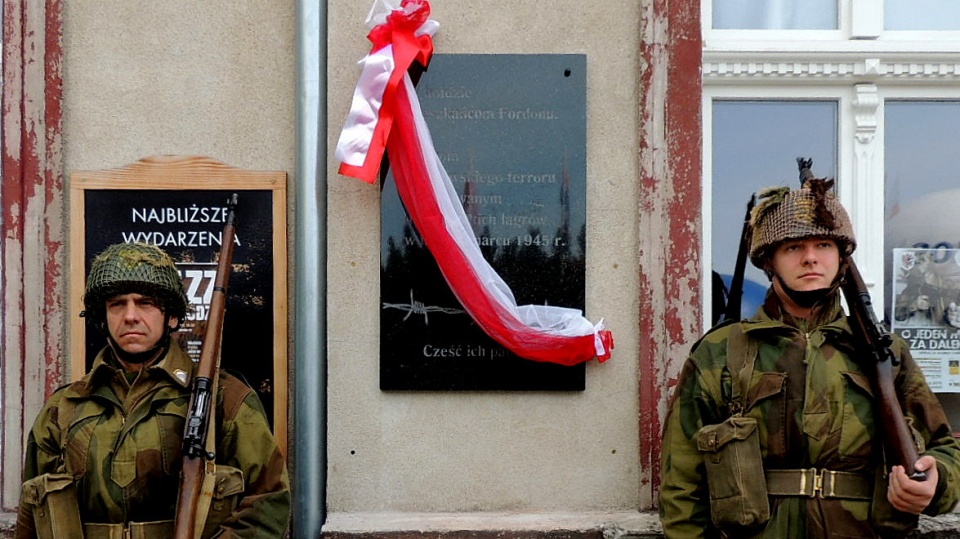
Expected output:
{"points": [[310, 327]]}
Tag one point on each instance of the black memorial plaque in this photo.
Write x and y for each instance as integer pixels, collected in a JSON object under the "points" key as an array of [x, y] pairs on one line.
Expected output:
{"points": [[511, 133], [188, 225]]}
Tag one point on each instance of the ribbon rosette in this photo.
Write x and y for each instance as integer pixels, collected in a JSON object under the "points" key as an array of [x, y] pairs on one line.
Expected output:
{"points": [[385, 114]]}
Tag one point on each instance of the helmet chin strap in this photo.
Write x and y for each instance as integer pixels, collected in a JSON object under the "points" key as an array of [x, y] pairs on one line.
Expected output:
{"points": [[807, 299]]}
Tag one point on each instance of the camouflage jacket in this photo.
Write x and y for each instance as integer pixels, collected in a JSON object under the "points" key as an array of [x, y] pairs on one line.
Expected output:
{"points": [[814, 408], [123, 442]]}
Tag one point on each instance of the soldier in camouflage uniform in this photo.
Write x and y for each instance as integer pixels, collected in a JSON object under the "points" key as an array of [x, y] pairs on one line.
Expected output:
{"points": [[799, 394], [105, 454]]}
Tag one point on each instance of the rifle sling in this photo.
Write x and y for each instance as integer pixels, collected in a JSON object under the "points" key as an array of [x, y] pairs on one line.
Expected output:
{"points": [[210, 467], [741, 356], [808, 482]]}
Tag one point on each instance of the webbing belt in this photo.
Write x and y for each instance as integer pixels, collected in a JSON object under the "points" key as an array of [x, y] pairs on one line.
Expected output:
{"points": [[134, 530], [813, 482]]}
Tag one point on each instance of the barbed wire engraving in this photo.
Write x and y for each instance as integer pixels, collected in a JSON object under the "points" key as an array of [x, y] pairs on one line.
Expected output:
{"points": [[418, 307]]}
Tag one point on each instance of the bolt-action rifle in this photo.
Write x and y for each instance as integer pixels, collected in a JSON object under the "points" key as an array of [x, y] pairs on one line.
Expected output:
{"points": [[877, 358], [875, 342], [198, 472], [734, 296]]}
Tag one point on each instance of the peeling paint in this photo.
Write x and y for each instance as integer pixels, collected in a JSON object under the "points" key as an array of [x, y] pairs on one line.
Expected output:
{"points": [[670, 209], [33, 224]]}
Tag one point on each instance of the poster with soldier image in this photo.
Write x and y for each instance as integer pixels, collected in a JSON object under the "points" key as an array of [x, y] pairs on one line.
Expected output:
{"points": [[926, 312]]}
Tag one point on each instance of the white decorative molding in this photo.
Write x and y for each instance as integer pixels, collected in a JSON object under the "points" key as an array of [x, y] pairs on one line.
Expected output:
{"points": [[865, 106], [864, 196], [745, 67], [867, 215]]}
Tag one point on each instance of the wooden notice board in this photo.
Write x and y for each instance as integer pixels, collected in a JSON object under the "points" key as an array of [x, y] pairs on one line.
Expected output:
{"points": [[179, 204]]}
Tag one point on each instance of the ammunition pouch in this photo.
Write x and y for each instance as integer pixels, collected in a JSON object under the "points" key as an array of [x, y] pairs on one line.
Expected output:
{"points": [[731, 450], [52, 498], [738, 492]]}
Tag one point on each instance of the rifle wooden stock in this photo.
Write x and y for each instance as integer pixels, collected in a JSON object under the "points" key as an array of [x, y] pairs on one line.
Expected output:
{"points": [[878, 360], [195, 456]]}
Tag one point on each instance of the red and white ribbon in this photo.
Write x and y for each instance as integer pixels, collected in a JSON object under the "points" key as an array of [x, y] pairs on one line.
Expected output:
{"points": [[386, 113], [400, 35]]}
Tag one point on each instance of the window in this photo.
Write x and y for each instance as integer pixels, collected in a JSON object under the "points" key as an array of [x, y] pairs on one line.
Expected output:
{"points": [[921, 15], [922, 176], [775, 14], [870, 89], [755, 145]]}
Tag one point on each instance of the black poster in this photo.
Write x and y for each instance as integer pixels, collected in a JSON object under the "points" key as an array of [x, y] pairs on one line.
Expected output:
{"points": [[511, 133], [188, 225]]}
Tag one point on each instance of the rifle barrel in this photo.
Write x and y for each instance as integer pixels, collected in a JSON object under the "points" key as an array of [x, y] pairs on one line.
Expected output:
{"points": [[735, 294]]}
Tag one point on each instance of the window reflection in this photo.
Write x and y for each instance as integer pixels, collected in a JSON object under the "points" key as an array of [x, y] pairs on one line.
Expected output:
{"points": [[920, 15], [922, 183], [775, 14], [755, 145], [922, 200]]}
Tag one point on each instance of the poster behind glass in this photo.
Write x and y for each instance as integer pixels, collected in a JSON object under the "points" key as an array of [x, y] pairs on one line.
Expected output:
{"points": [[926, 312]]}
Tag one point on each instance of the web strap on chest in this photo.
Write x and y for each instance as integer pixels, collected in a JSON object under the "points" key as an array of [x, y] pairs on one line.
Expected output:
{"points": [[741, 357]]}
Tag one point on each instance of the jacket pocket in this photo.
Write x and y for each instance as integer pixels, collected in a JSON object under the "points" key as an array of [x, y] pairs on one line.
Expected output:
{"points": [[171, 417], [79, 434], [858, 425], [763, 386], [123, 471], [227, 491]]}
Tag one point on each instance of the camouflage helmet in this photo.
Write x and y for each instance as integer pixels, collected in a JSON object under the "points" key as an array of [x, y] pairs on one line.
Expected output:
{"points": [[787, 214], [142, 268]]}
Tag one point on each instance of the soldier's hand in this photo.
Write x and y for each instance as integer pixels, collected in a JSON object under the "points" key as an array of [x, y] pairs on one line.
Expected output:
{"points": [[912, 496]]}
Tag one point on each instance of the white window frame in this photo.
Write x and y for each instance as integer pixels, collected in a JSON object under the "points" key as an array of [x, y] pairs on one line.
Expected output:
{"points": [[858, 65], [860, 29]]}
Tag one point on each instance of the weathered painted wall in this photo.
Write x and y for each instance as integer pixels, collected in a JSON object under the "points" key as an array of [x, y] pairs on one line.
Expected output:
{"points": [[670, 213], [495, 452], [218, 79], [32, 258], [214, 78]]}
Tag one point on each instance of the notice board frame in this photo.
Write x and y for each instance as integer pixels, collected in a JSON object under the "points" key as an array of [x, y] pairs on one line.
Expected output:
{"points": [[186, 173]]}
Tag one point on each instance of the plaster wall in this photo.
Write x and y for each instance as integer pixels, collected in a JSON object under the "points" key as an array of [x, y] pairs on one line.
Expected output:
{"points": [[215, 78], [218, 78], [492, 451]]}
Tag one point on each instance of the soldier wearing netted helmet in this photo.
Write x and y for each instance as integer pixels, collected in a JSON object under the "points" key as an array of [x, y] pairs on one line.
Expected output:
{"points": [[135, 272], [104, 455], [782, 395], [808, 214]]}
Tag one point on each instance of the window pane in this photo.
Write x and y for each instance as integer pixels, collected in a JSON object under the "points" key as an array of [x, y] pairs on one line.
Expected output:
{"points": [[756, 145], [921, 15], [921, 182], [922, 202], [775, 14]]}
